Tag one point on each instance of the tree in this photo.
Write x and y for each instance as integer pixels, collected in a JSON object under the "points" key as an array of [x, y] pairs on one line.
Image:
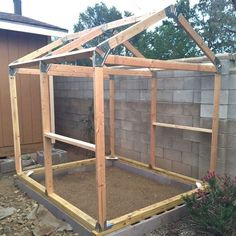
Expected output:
{"points": [[97, 15], [215, 20]]}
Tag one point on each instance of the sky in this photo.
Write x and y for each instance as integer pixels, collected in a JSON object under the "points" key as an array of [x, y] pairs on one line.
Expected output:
{"points": [[65, 13]]}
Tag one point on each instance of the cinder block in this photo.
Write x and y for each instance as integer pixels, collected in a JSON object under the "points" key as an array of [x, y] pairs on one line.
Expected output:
{"points": [[195, 148], [145, 95], [208, 95], [197, 97], [58, 156], [182, 145], [232, 96], [190, 158], [165, 96], [206, 111], [207, 82], [232, 81], [231, 129], [184, 96], [173, 83], [232, 111], [170, 109], [172, 154], [164, 163], [133, 95], [192, 83], [191, 136], [192, 110], [183, 120], [7, 165], [181, 168]]}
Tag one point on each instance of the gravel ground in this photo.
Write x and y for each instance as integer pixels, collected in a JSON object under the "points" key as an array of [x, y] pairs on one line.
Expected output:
{"points": [[18, 223]]}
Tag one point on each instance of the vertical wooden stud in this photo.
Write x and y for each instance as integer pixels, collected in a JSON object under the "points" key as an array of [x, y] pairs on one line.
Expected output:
{"points": [[215, 122], [52, 110], [112, 115], [46, 123], [153, 118], [15, 124], [100, 143]]}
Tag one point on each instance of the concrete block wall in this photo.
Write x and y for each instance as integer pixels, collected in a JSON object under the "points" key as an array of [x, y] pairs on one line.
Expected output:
{"points": [[184, 98]]}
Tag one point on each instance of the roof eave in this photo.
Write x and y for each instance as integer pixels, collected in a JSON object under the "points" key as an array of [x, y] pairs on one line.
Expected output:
{"points": [[33, 29]]}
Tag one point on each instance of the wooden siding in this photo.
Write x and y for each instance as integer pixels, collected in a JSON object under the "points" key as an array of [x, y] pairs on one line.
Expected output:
{"points": [[14, 45]]}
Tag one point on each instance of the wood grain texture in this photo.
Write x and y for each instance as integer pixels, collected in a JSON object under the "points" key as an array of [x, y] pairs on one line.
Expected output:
{"points": [[215, 122], [98, 83]]}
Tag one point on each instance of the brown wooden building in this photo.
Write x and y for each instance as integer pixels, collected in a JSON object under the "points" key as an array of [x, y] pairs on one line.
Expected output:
{"points": [[20, 35]]}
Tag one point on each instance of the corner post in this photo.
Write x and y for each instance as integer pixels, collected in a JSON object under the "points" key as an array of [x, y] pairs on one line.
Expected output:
{"points": [[15, 120], [46, 124], [112, 115], [215, 122], [98, 83], [153, 118]]}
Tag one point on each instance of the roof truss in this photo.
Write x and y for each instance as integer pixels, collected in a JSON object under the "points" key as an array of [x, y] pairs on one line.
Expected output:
{"points": [[71, 47]]}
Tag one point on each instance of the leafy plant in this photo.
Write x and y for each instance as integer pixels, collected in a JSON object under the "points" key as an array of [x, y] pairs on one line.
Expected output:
{"points": [[213, 209]]}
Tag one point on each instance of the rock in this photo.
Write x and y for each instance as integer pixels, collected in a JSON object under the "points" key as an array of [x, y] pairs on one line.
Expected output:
{"points": [[5, 212]]}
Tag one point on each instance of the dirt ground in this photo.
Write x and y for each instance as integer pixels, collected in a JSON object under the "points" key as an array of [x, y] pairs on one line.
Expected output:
{"points": [[126, 192], [18, 224]]}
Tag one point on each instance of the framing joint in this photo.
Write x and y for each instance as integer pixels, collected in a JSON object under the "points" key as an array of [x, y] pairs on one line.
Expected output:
{"points": [[12, 71], [43, 67], [218, 64], [100, 54], [171, 12]]}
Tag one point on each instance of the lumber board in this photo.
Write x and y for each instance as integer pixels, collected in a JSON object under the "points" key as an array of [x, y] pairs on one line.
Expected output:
{"points": [[176, 176], [126, 72], [52, 110], [72, 141], [153, 118], [143, 213], [190, 128], [15, 124], [46, 126], [215, 122], [98, 86], [71, 71], [160, 64], [132, 49], [69, 56], [79, 41], [65, 166], [26, 71], [196, 38], [71, 210], [133, 30], [112, 115]]}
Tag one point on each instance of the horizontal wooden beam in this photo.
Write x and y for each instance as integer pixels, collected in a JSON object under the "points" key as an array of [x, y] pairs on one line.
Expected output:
{"points": [[190, 128], [72, 141], [84, 71], [68, 208], [151, 63], [65, 166], [70, 56], [126, 72]]}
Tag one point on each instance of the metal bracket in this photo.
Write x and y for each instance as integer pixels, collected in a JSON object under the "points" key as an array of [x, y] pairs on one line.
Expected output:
{"points": [[218, 64], [43, 67], [98, 57], [12, 71], [171, 12]]}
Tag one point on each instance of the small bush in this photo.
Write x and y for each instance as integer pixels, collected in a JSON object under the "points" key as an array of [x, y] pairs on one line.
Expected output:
{"points": [[213, 210]]}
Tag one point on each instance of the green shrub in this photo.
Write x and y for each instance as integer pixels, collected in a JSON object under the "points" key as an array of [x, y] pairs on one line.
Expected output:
{"points": [[213, 210]]}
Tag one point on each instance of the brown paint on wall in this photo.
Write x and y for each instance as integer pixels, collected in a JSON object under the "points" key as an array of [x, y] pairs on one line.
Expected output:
{"points": [[14, 45]]}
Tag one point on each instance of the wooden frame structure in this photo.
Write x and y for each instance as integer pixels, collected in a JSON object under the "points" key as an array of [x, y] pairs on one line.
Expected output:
{"points": [[69, 48]]}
